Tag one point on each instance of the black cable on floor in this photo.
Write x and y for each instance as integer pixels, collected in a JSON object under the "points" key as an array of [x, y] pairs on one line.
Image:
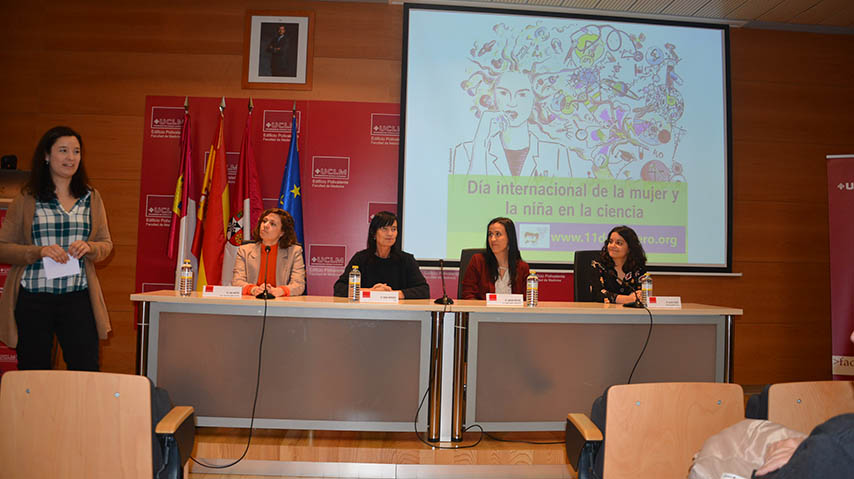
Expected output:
{"points": [[254, 401]]}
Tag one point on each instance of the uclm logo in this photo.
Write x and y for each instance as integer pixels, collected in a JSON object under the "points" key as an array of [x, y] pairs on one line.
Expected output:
{"points": [[326, 255], [331, 167], [158, 206], [374, 208], [167, 118], [278, 121], [385, 124]]}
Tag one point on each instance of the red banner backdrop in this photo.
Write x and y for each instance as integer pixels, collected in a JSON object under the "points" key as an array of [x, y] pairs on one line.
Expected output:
{"points": [[8, 357], [349, 161], [840, 203]]}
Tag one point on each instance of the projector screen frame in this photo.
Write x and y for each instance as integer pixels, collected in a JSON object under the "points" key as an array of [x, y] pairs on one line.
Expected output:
{"points": [[565, 265]]}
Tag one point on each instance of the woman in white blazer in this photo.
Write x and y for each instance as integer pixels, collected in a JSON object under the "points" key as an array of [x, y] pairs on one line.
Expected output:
{"points": [[274, 262]]}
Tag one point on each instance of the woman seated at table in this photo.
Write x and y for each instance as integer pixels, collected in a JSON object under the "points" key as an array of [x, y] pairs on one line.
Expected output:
{"points": [[384, 267], [275, 259], [500, 268], [620, 267]]}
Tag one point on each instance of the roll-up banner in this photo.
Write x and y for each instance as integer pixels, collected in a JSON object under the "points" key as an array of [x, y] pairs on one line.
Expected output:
{"points": [[840, 204]]}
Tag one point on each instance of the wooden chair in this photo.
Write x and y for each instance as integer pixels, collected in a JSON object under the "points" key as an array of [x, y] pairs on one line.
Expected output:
{"points": [[73, 424], [804, 405], [654, 429]]}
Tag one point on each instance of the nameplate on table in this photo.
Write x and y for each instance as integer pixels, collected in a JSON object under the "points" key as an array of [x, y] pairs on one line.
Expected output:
{"points": [[665, 302], [495, 299], [212, 291], [388, 297]]}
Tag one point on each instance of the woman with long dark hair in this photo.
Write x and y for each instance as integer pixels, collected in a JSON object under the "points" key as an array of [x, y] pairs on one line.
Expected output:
{"points": [[620, 266], [384, 266], [499, 269], [57, 218], [274, 262]]}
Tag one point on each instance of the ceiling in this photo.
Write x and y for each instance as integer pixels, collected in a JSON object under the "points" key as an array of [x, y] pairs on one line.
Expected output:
{"points": [[826, 16]]}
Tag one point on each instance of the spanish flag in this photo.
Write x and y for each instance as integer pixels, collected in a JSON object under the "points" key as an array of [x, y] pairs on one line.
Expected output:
{"points": [[212, 221]]}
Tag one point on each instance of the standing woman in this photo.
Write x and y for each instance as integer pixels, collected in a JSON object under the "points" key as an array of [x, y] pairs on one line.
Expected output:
{"points": [[384, 266], [500, 268], [275, 254], [58, 216], [620, 266]]}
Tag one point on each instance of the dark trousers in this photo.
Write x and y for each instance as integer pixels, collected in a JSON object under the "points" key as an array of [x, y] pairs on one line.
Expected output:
{"points": [[69, 316]]}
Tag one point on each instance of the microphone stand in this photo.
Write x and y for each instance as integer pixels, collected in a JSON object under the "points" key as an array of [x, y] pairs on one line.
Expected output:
{"points": [[636, 304], [265, 294], [444, 299]]}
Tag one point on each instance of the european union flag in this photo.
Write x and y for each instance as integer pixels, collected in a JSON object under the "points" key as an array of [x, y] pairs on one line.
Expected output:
{"points": [[290, 197]]}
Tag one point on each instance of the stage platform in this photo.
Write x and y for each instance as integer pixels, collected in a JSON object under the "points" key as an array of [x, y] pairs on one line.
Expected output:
{"points": [[346, 454]]}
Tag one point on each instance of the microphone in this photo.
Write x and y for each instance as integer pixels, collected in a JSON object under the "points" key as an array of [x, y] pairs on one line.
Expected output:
{"points": [[636, 304], [265, 294], [444, 299]]}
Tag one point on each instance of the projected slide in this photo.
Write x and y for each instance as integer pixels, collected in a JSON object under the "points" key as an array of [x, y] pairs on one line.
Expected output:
{"points": [[568, 127]]}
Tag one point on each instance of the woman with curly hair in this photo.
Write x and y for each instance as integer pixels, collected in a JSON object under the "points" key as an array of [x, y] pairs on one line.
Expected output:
{"points": [[620, 266], [257, 272]]}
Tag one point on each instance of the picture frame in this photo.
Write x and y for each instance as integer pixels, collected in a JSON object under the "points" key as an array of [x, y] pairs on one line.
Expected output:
{"points": [[278, 49]]}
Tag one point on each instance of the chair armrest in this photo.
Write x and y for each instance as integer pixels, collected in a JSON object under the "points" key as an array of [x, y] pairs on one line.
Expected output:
{"points": [[585, 426], [583, 441], [177, 435], [174, 419]]}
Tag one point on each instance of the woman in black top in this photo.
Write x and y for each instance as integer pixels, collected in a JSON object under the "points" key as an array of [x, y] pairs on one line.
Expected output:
{"points": [[620, 267], [383, 265]]}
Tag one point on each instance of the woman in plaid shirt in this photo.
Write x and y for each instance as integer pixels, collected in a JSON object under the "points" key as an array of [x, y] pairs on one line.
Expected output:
{"points": [[57, 218]]}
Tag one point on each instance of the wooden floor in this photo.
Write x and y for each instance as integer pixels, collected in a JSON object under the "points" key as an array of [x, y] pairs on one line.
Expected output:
{"points": [[291, 453]]}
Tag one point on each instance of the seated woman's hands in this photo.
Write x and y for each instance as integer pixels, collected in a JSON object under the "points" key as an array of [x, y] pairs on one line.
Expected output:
{"points": [[379, 287], [383, 287], [275, 291]]}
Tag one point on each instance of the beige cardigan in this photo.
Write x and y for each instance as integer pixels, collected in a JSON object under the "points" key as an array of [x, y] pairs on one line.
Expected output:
{"points": [[18, 250], [290, 267]]}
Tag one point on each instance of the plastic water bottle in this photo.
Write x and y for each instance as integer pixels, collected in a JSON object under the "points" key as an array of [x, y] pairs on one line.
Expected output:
{"points": [[185, 284], [354, 284], [646, 288], [532, 291]]}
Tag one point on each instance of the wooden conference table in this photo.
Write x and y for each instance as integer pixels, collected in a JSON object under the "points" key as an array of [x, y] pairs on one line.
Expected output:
{"points": [[330, 364]]}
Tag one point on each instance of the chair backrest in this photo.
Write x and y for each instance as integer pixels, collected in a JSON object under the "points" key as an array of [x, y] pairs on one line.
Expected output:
{"points": [[465, 259], [72, 424], [654, 429], [584, 275], [804, 405]]}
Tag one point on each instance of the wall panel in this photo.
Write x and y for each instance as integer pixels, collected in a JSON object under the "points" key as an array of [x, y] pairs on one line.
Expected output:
{"points": [[762, 171], [768, 56], [789, 232]]}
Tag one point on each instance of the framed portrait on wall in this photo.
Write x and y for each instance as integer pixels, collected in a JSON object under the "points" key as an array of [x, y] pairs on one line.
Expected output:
{"points": [[278, 49]]}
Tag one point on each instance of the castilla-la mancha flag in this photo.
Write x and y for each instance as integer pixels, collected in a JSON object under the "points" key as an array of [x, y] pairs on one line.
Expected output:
{"points": [[211, 221], [246, 203], [184, 205]]}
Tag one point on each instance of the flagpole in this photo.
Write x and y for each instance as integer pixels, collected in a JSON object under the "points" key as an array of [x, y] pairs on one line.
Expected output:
{"points": [[247, 208], [182, 222]]}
